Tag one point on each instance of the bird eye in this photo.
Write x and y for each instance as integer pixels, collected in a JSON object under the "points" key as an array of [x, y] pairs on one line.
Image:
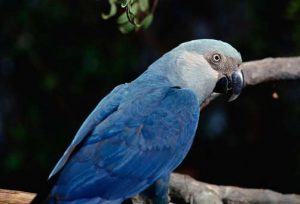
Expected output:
{"points": [[216, 58]]}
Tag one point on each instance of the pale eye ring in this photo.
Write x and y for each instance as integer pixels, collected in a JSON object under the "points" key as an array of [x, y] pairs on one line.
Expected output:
{"points": [[216, 58]]}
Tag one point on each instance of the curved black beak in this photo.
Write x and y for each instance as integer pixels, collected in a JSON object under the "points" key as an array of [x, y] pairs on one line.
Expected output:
{"points": [[231, 84]]}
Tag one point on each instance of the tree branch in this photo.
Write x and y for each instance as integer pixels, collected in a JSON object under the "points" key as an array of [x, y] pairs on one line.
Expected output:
{"points": [[271, 69], [191, 191], [15, 197]]}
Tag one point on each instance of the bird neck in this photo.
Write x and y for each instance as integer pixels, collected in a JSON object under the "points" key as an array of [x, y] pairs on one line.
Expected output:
{"points": [[183, 71]]}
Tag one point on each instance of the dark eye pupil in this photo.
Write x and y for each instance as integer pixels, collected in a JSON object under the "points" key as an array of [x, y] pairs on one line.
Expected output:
{"points": [[216, 57]]}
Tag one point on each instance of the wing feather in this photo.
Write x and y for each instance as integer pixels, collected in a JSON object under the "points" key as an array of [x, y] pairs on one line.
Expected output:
{"points": [[132, 147]]}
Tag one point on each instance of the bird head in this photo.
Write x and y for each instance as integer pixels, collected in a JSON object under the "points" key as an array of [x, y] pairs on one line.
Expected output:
{"points": [[206, 66]]}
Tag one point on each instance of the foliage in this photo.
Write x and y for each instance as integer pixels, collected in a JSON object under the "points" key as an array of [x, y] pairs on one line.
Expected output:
{"points": [[138, 14]]}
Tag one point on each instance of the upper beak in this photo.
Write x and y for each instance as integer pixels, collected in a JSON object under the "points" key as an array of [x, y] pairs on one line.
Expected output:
{"points": [[231, 84]]}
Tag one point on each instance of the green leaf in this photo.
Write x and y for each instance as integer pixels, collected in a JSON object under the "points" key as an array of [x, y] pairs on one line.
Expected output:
{"points": [[124, 3], [144, 5], [132, 18], [122, 18], [147, 21], [133, 8], [126, 28], [113, 10], [132, 11]]}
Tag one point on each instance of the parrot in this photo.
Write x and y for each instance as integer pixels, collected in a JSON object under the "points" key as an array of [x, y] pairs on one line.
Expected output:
{"points": [[141, 131]]}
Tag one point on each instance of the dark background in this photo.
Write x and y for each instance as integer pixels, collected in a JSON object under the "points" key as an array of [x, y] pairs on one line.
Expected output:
{"points": [[59, 58]]}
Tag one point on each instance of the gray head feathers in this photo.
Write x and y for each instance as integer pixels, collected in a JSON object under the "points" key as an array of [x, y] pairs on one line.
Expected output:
{"points": [[204, 46]]}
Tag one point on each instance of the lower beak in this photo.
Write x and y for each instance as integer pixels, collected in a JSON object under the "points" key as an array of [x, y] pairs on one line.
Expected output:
{"points": [[231, 84]]}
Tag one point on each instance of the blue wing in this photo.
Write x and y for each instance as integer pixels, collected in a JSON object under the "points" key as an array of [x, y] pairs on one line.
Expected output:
{"points": [[145, 138], [106, 106]]}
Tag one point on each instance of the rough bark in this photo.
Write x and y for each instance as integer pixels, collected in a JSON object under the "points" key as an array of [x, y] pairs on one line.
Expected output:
{"points": [[187, 189], [15, 197], [271, 69]]}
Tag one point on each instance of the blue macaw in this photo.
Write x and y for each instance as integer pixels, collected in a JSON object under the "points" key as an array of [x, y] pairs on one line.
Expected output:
{"points": [[141, 131]]}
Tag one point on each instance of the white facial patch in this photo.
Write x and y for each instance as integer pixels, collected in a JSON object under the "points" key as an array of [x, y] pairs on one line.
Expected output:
{"points": [[191, 70]]}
